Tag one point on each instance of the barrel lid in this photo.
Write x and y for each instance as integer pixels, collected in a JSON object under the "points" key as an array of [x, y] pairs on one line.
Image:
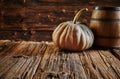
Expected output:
{"points": [[106, 8]]}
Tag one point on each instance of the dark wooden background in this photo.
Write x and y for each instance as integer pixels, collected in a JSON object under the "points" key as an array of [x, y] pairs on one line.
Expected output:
{"points": [[36, 19]]}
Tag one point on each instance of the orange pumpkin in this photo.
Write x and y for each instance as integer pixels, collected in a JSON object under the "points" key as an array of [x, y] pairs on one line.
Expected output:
{"points": [[73, 35]]}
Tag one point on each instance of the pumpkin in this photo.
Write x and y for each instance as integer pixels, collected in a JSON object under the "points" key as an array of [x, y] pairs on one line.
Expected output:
{"points": [[73, 35]]}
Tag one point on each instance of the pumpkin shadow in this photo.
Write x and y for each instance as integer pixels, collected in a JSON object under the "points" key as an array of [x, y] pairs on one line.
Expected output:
{"points": [[104, 48], [63, 51]]}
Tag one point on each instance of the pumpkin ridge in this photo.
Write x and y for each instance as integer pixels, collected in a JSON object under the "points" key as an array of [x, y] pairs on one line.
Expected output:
{"points": [[57, 34], [67, 36], [84, 34], [57, 28], [62, 37], [61, 30], [78, 36], [75, 38], [70, 37], [81, 43], [90, 36], [83, 40], [87, 37]]}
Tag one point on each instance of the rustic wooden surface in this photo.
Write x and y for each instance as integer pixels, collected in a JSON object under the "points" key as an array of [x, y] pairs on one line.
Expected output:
{"points": [[42, 60], [27, 16]]}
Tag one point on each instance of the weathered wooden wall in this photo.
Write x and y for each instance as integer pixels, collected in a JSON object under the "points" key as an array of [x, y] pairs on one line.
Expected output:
{"points": [[36, 19]]}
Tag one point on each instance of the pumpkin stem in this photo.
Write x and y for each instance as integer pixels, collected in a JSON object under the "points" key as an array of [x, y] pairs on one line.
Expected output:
{"points": [[78, 14]]}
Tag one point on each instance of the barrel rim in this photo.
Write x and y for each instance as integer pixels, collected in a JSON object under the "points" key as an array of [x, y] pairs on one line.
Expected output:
{"points": [[106, 8]]}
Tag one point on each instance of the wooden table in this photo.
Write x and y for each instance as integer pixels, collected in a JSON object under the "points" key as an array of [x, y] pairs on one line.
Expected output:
{"points": [[42, 60]]}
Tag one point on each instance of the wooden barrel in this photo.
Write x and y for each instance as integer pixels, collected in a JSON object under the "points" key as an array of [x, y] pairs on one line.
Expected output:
{"points": [[105, 23]]}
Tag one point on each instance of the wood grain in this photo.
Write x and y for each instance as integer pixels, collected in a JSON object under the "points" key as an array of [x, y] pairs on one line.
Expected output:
{"points": [[33, 35], [43, 14], [43, 60]]}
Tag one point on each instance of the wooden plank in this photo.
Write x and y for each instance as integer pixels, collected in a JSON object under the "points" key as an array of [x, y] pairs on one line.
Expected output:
{"points": [[48, 2], [26, 27], [6, 66], [21, 18], [11, 74], [41, 36], [48, 70], [44, 57], [89, 68], [69, 2], [116, 53], [43, 60], [8, 50], [33, 68], [102, 64], [33, 35], [37, 49], [71, 67], [113, 62], [61, 1], [19, 2], [5, 35], [4, 44], [30, 49], [21, 73], [29, 71], [20, 49]]}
